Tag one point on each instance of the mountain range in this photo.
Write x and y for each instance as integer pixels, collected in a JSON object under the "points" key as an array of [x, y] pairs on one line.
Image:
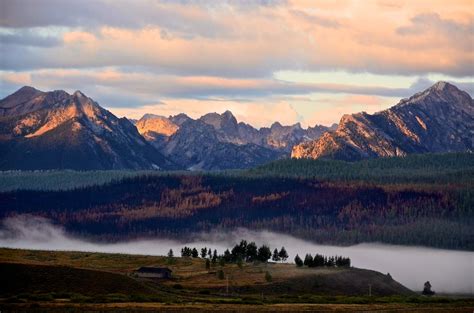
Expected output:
{"points": [[57, 130], [217, 141], [439, 119]]}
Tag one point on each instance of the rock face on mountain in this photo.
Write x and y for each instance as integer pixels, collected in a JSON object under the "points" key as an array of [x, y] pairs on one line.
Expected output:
{"points": [[56, 130], [218, 141], [203, 144], [439, 119], [277, 137], [153, 127]]}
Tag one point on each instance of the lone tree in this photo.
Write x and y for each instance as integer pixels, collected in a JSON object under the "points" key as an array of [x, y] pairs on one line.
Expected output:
{"points": [[283, 254], [427, 289], [170, 259], [275, 256], [298, 261]]}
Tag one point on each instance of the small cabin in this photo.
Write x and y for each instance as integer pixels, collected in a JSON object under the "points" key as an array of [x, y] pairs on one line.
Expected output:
{"points": [[154, 272]]}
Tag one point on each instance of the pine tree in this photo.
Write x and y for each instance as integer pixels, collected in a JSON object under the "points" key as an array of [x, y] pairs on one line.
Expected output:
{"points": [[275, 256], [427, 289], [214, 258], [186, 252], [308, 260], [170, 253], [195, 253], [298, 261], [203, 252], [264, 253], [283, 254], [252, 252], [227, 256]]}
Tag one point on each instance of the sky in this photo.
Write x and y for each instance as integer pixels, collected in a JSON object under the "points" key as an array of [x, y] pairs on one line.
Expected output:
{"points": [[288, 61]]}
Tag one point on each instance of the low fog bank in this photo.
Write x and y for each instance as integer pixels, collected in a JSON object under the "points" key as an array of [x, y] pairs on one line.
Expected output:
{"points": [[448, 271]]}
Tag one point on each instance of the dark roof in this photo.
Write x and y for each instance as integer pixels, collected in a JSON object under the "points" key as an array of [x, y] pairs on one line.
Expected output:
{"points": [[157, 270]]}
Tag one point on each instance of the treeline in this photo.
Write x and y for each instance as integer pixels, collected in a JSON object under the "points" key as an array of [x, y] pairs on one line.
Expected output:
{"points": [[242, 252], [64, 179], [415, 168], [321, 260], [412, 169], [323, 211], [249, 252]]}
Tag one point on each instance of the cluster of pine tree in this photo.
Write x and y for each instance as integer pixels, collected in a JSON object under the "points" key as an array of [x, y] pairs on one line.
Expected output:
{"points": [[242, 252], [320, 260]]}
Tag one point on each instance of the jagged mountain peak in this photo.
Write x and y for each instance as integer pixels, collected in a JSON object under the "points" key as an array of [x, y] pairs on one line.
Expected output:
{"points": [[20, 96], [152, 126], [439, 92], [59, 130], [27, 89], [438, 119], [228, 115], [441, 85], [219, 121], [179, 119], [79, 94], [276, 125], [148, 116], [28, 99]]}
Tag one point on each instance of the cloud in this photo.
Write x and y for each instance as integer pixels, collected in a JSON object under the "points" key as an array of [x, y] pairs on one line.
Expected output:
{"points": [[315, 19], [28, 38], [230, 40], [433, 25], [259, 102], [132, 54], [153, 85]]}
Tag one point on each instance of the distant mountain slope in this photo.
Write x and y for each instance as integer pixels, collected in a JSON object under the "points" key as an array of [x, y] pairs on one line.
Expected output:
{"points": [[198, 146], [153, 126], [56, 130], [218, 141], [439, 119], [276, 137]]}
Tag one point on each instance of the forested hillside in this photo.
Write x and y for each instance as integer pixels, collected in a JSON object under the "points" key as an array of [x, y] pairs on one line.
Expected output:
{"points": [[449, 168], [435, 207]]}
